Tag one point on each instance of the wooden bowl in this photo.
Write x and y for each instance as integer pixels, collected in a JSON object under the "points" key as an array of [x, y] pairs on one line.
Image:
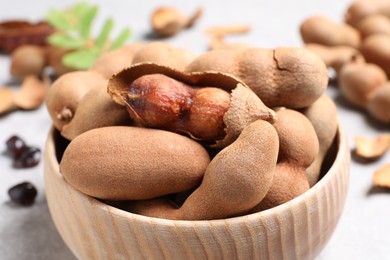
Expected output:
{"points": [[298, 229]]}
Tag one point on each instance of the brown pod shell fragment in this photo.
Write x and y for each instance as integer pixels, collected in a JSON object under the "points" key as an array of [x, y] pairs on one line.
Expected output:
{"points": [[381, 176], [245, 107], [167, 21], [372, 148]]}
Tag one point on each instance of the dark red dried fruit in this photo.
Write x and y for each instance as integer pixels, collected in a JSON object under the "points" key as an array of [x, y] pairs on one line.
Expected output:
{"points": [[29, 157], [24, 156], [23, 193], [15, 145]]}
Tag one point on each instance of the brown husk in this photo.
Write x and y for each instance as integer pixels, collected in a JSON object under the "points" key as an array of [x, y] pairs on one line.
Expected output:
{"points": [[244, 109]]}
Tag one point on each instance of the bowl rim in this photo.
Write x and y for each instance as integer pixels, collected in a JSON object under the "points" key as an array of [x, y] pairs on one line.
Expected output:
{"points": [[342, 149]]}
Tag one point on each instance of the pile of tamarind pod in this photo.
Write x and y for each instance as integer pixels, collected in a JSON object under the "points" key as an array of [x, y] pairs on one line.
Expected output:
{"points": [[358, 52], [162, 132]]}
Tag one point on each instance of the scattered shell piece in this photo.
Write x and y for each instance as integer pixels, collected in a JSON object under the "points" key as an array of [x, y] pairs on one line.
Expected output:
{"points": [[381, 176], [167, 21], [217, 34], [216, 42], [32, 93], [229, 29], [7, 102], [30, 96], [372, 148]]}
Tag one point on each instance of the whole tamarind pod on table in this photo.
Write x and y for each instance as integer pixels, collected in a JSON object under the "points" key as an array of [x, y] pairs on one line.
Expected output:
{"points": [[208, 106], [379, 104], [373, 24], [321, 30], [363, 8], [290, 77], [336, 56], [358, 82], [375, 49], [27, 60], [366, 86]]}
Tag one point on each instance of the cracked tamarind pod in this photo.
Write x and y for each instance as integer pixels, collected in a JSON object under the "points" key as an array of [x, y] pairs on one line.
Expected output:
{"points": [[289, 77], [208, 106]]}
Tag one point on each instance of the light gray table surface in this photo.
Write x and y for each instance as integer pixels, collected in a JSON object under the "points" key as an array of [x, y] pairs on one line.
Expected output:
{"points": [[29, 233]]}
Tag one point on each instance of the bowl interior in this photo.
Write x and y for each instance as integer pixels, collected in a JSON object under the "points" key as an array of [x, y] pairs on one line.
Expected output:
{"points": [[297, 229]]}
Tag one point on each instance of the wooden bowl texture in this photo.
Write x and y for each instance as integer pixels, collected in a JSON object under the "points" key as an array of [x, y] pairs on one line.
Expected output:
{"points": [[298, 229]]}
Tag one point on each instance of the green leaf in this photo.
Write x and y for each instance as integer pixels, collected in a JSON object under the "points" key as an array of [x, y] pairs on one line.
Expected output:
{"points": [[59, 19], [79, 9], [104, 33], [121, 39], [65, 41], [86, 20], [82, 59]]}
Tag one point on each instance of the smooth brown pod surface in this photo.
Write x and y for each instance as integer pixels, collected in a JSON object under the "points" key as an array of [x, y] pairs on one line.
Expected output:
{"points": [[379, 105], [96, 109], [130, 163], [375, 49], [336, 56], [359, 81], [298, 147], [323, 116], [28, 60], [363, 8], [374, 24], [238, 177], [66, 92], [321, 30]]}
